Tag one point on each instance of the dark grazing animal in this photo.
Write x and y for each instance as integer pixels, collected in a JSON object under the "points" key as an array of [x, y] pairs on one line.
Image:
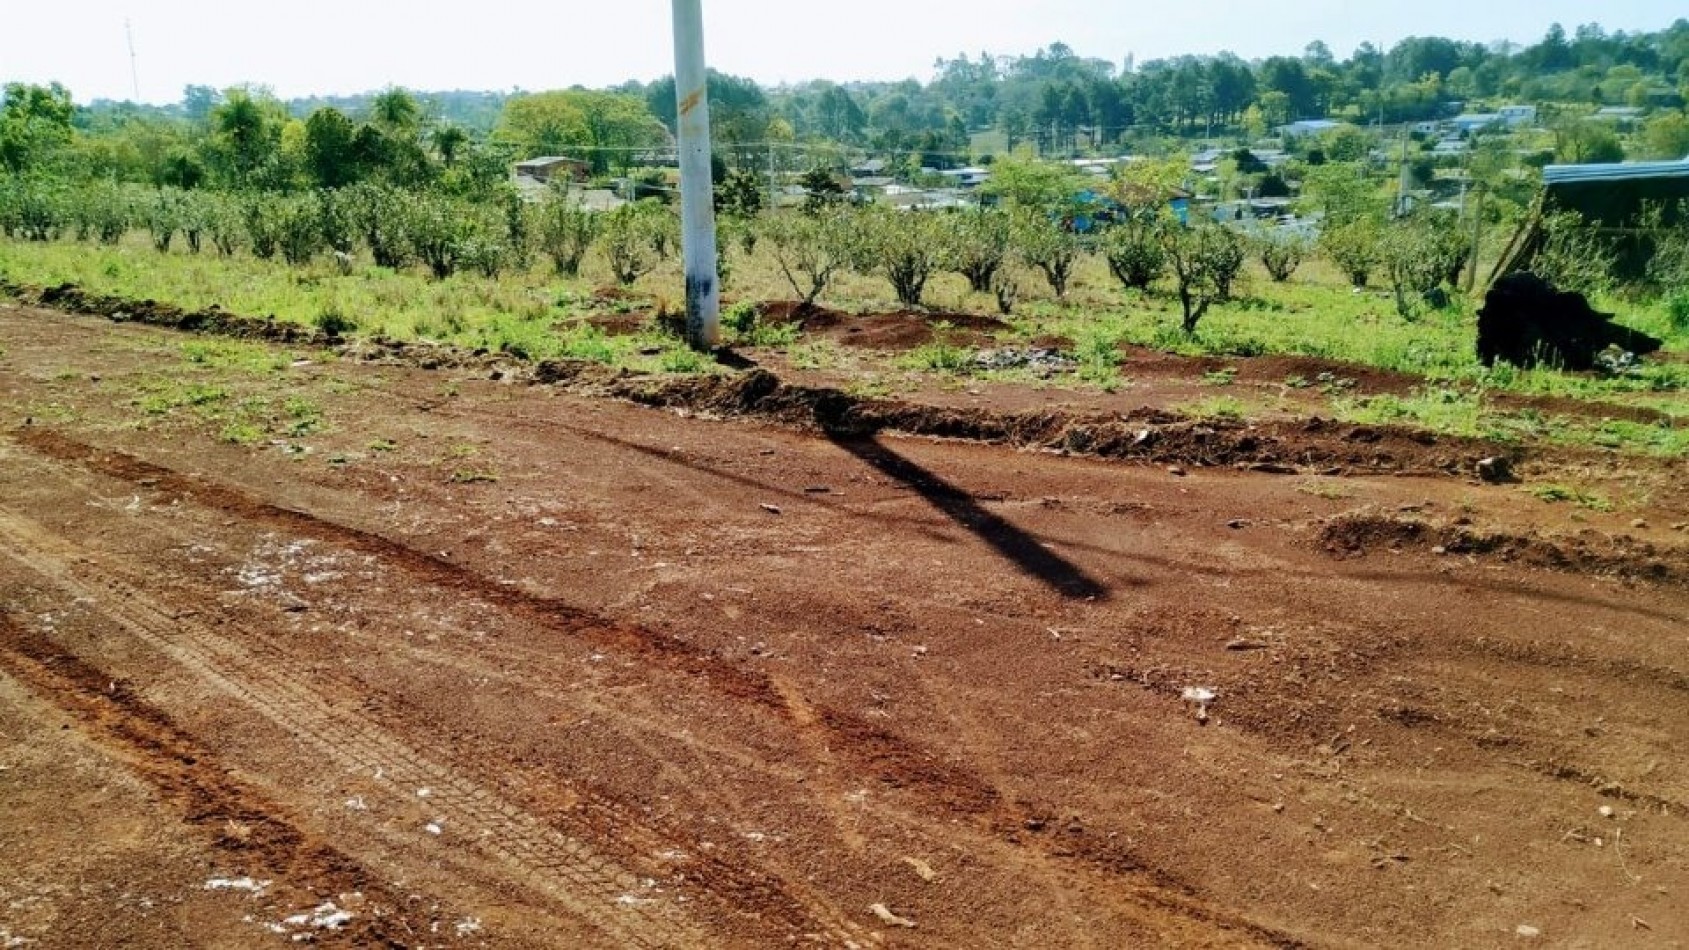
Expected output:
{"points": [[1526, 322]]}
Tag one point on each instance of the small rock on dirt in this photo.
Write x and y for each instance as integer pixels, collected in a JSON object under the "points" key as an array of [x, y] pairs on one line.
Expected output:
{"points": [[1527, 931], [922, 869], [1495, 469], [887, 917], [1176, 471], [771, 509]]}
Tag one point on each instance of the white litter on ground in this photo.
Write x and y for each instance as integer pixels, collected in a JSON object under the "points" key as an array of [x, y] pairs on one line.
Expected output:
{"points": [[325, 917], [1202, 698], [237, 884]]}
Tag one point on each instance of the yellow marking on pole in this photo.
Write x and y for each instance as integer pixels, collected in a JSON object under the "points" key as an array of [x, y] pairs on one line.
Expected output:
{"points": [[691, 102]]}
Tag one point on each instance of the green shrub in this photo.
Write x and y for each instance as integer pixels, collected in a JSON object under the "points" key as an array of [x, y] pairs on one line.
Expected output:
{"points": [[1353, 248], [1573, 256], [36, 208], [383, 216], [905, 247], [1047, 244], [981, 241], [635, 239], [262, 216], [1205, 259], [1134, 249], [333, 322], [1281, 254], [299, 230], [566, 231], [811, 249], [1420, 253], [1677, 310]]}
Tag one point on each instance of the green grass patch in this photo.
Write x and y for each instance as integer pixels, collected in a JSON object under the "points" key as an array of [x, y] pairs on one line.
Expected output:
{"points": [[243, 433], [1224, 408], [161, 397], [1556, 493], [938, 356]]}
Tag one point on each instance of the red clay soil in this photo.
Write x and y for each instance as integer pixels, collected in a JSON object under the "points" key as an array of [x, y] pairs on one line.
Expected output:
{"points": [[492, 664], [896, 330]]}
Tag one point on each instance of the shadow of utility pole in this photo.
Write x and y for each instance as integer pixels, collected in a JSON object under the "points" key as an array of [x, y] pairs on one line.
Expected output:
{"points": [[1023, 550]]}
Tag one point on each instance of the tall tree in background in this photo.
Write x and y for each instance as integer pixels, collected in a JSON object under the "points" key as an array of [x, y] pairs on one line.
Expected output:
{"points": [[35, 124], [1288, 76], [396, 113], [605, 126], [329, 156], [246, 135], [449, 141]]}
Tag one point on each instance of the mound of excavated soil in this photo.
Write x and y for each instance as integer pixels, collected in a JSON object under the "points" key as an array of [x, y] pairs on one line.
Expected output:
{"points": [[1147, 435], [895, 330], [1357, 533]]}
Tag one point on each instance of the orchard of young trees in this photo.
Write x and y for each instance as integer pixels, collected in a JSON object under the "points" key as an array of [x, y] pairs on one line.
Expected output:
{"points": [[424, 180]]}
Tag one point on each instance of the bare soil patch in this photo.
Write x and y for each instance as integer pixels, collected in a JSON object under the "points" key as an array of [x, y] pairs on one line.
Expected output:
{"points": [[733, 662], [895, 330]]}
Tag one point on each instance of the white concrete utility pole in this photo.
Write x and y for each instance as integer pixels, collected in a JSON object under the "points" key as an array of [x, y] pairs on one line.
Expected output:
{"points": [[697, 191]]}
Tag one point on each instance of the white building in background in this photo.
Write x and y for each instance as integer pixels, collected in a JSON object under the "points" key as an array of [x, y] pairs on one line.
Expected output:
{"points": [[1307, 127], [1516, 116]]}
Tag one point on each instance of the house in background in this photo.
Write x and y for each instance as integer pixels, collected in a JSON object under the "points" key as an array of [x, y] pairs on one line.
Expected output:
{"points": [[967, 177], [872, 168], [1516, 116], [1306, 127], [1624, 117], [548, 168], [1471, 122]]}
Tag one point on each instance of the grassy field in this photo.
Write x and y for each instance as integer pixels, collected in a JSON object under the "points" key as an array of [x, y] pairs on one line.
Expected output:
{"points": [[535, 314]]}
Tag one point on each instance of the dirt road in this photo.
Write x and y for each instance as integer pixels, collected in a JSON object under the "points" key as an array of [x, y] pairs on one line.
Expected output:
{"points": [[489, 664]]}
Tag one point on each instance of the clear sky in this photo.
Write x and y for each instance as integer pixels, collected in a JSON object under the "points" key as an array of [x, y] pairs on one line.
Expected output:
{"points": [[301, 47]]}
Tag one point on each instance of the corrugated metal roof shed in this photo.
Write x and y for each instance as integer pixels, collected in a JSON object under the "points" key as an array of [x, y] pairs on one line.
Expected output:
{"points": [[1618, 171]]}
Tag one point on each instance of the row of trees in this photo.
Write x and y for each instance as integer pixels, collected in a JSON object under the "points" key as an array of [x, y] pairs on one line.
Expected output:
{"points": [[1059, 99], [1054, 98]]}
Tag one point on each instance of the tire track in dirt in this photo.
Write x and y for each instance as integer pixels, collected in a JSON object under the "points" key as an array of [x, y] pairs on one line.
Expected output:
{"points": [[738, 890], [566, 871], [889, 759], [197, 784], [893, 760]]}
